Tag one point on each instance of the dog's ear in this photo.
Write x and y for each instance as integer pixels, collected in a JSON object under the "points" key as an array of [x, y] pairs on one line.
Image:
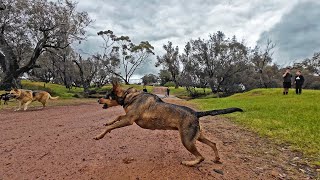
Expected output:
{"points": [[115, 84], [117, 89]]}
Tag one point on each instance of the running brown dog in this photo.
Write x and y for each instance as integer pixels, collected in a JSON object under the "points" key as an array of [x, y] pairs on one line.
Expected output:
{"points": [[25, 97], [150, 112]]}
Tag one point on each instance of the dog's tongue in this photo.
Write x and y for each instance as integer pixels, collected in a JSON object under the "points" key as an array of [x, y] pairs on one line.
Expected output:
{"points": [[105, 106]]}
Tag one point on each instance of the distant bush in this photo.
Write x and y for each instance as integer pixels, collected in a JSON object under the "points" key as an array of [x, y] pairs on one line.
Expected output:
{"points": [[315, 85], [170, 84]]}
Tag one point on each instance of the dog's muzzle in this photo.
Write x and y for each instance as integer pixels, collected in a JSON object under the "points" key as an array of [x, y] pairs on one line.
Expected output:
{"points": [[99, 101], [105, 106]]}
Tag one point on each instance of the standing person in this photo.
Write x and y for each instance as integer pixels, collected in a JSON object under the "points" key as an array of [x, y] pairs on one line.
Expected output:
{"points": [[299, 80], [168, 92], [286, 81]]}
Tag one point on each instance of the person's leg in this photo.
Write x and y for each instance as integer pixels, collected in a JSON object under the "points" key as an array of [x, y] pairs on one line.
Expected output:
{"points": [[297, 89], [300, 89]]}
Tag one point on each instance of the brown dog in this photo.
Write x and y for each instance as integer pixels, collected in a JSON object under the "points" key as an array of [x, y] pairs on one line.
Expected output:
{"points": [[150, 112], [25, 97]]}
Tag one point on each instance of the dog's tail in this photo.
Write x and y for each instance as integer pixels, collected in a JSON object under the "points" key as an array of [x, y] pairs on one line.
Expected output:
{"points": [[217, 112], [50, 97]]}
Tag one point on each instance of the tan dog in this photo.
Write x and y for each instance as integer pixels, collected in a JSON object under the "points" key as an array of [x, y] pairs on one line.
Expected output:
{"points": [[25, 97], [150, 112]]}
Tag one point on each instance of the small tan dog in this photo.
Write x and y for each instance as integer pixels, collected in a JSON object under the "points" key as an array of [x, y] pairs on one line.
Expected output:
{"points": [[25, 97]]}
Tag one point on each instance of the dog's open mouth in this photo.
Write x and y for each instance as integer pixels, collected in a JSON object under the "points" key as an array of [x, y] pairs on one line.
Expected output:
{"points": [[105, 106]]}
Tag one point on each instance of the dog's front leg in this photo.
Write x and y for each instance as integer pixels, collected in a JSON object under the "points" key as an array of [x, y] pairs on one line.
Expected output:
{"points": [[121, 121], [26, 105], [111, 122], [19, 106]]}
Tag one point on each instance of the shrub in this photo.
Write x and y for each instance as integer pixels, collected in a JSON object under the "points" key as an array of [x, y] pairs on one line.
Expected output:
{"points": [[170, 84]]}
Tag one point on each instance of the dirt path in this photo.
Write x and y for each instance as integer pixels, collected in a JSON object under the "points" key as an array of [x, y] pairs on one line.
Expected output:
{"points": [[57, 143]]}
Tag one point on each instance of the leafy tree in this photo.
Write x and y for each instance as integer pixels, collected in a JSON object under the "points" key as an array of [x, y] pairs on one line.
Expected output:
{"points": [[120, 52], [192, 74], [164, 76], [30, 27], [170, 61], [149, 78], [313, 64], [221, 60]]}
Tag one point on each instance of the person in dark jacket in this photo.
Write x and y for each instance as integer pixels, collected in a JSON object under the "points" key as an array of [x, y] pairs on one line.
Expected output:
{"points": [[144, 89], [299, 80], [168, 92], [286, 81]]}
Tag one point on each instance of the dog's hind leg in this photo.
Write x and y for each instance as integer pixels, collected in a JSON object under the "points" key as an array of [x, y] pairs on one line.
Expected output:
{"points": [[122, 121], [206, 141], [43, 104], [188, 140]]}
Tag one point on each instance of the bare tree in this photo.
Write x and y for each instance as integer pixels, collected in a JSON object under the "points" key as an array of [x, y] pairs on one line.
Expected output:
{"points": [[87, 71], [261, 60], [45, 25]]}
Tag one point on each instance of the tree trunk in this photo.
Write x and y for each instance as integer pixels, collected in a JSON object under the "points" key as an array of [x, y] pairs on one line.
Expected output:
{"points": [[176, 84], [86, 89], [10, 81], [10, 66]]}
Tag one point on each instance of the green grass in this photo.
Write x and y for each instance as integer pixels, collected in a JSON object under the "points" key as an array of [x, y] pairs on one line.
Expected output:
{"points": [[293, 119], [53, 89], [181, 92]]}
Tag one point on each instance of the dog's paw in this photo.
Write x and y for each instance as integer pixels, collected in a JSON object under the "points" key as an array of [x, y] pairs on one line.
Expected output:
{"points": [[217, 161], [98, 137], [107, 124], [16, 110], [188, 163]]}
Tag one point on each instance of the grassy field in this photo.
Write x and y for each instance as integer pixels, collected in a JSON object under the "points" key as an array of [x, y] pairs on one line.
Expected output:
{"points": [[53, 89], [181, 92], [293, 119]]}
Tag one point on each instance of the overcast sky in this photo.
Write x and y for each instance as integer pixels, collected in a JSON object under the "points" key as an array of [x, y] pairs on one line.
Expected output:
{"points": [[293, 25]]}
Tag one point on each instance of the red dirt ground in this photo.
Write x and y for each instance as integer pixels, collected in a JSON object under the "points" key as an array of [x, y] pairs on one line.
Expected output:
{"points": [[57, 143]]}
